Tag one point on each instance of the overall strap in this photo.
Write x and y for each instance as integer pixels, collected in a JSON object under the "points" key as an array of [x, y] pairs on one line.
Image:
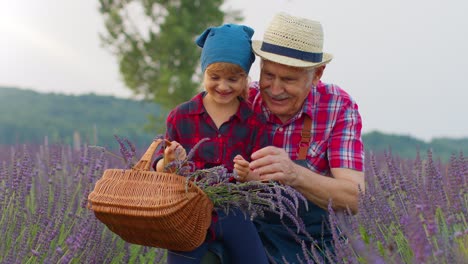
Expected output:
{"points": [[305, 138]]}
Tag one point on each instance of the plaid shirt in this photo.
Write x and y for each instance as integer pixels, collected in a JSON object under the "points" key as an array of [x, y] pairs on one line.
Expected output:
{"points": [[336, 129], [242, 134]]}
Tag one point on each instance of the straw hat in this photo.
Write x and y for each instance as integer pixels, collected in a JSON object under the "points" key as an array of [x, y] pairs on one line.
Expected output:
{"points": [[293, 41]]}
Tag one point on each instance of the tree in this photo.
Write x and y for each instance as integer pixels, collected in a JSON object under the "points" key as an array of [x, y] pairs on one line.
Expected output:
{"points": [[154, 43]]}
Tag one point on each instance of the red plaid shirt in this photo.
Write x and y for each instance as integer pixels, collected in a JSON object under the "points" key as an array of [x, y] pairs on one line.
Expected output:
{"points": [[336, 129], [242, 134]]}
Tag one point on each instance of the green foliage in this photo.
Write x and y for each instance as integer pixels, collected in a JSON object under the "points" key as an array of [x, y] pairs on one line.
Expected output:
{"points": [[154, 43], [28, 116]]}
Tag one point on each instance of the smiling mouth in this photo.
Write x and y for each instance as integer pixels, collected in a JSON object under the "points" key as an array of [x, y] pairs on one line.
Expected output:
{"points": [[279, 100], [224, 93]]}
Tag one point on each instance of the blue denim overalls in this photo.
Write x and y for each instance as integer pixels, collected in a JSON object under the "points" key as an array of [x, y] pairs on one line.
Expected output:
{"points": [[280, 243]]}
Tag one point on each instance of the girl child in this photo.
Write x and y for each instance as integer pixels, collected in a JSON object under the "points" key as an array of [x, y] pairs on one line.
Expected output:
{"points": [[221, 114]]}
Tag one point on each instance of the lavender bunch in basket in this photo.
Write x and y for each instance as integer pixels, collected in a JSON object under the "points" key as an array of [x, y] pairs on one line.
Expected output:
{"points": [[254, 198]]}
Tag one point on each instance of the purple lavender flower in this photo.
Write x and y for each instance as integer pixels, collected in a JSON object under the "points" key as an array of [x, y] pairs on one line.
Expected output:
{"points": [[412, 210]]}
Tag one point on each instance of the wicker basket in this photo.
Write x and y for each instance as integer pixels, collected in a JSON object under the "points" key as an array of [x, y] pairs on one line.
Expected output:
{"points": [[152, 208]]}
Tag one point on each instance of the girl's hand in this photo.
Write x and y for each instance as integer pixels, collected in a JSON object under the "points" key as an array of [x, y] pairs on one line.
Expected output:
{"points": [[244, 173], [173, 151]]}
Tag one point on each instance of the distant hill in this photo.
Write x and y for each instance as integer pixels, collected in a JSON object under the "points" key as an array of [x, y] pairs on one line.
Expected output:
{"points": [[407, 146], [28, 116]]}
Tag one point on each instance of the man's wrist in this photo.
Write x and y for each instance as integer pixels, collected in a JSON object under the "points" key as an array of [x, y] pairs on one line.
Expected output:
{"points": [[295, 175]]}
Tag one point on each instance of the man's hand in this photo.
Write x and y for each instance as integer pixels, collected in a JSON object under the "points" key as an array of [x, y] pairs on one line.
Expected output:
{"points": [[272, 163]]}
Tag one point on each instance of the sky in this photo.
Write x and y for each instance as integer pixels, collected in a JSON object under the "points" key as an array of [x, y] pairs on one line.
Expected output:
{"points": [[404, 62]]}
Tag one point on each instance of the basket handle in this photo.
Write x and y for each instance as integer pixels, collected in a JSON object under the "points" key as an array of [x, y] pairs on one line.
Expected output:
{"points": [[145, 161]]}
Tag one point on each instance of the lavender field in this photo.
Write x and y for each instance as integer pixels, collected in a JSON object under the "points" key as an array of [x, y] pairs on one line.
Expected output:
{"points": [[413, 211]]}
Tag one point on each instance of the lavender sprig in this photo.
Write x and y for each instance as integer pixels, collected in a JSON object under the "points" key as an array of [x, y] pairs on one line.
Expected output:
{"points": [[128, 151], [252, 198]]}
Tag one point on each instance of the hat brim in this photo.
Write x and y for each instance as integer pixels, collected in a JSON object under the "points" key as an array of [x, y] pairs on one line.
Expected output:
{"points": [[257, 44]]}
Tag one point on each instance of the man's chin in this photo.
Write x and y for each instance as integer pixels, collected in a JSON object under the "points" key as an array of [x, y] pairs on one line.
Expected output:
{"points": [[278, 107], [276, 110]]}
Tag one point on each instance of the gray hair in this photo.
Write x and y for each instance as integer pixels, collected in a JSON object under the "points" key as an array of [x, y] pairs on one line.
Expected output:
{"points": [[308, 70]]}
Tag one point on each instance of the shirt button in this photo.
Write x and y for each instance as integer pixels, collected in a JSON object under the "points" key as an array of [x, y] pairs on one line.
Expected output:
{"points": [[280, 129], [219, 135]]}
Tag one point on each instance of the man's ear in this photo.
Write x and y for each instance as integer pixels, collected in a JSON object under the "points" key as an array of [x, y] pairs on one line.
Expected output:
{"points": [[318, 74]]}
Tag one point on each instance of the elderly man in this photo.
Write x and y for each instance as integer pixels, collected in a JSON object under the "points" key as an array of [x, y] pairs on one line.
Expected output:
{"points": [[315, 129]]}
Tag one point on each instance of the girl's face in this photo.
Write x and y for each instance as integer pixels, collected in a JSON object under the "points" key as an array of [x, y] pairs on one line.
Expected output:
{"points": [[224, 86]]}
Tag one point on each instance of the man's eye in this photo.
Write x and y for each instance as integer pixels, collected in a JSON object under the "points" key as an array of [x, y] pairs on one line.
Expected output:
{"points": [[288, 80]]}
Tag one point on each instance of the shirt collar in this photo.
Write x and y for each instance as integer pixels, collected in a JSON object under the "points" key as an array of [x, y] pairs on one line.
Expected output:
{"points": [[196, 104], [312, 100]]}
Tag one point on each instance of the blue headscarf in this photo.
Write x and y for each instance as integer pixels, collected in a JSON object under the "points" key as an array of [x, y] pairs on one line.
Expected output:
{"points": [[227, 43]]}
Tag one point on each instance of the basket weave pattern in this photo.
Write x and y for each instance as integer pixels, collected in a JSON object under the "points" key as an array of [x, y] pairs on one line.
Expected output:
{"points": [[152, 208]]}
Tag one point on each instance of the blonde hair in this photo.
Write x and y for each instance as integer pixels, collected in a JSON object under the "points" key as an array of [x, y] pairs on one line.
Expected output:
{"points": [[230, 68]]}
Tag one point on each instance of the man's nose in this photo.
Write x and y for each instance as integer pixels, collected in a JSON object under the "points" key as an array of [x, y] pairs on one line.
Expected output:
{"points": [[276, 87]]}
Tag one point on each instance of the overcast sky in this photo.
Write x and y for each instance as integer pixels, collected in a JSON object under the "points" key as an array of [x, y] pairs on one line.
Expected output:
{"points": [[404, 61]]}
